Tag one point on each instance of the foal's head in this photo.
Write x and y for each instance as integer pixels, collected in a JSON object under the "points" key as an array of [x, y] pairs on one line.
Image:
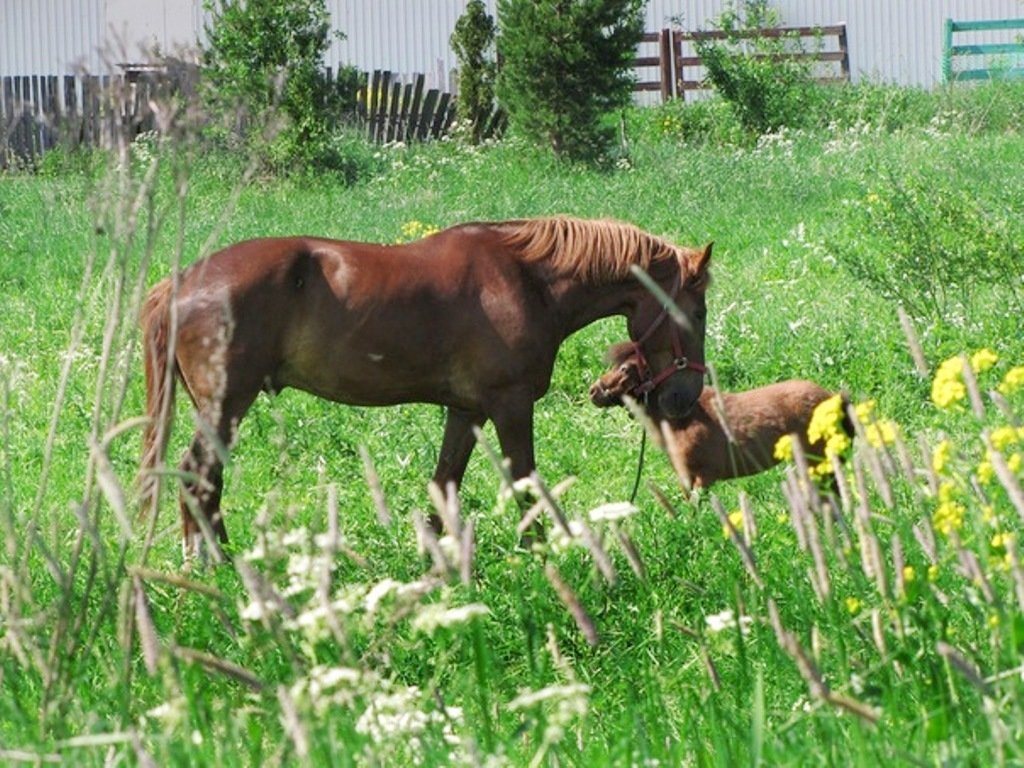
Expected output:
{"points": [[622, 379]]}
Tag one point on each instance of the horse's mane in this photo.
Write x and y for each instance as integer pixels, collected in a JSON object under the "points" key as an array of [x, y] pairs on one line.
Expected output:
{"points": [[592, 250]]}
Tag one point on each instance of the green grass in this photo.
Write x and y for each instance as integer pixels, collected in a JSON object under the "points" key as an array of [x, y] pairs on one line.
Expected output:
{"points": [[99, 640]]}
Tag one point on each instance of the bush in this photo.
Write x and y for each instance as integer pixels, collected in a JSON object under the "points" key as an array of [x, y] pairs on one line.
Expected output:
{"points": [[566, 65], [472, 40], [264, 61], [766, 91], [933, 245]]}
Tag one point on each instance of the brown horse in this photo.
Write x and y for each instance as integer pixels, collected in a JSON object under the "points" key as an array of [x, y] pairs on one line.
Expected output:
{"points": [[726, 435], [470, 318]]}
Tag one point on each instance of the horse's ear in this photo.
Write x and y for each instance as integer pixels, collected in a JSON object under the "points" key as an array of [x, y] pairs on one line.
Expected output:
{"points": [[699, 265], [618, 353]]}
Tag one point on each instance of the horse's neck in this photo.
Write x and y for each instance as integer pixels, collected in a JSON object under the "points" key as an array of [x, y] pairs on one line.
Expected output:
{"points": [[581, 304]]}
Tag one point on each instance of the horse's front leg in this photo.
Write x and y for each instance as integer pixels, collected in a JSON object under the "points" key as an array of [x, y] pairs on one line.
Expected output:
{"points": [[456, 447], [513, 421]]}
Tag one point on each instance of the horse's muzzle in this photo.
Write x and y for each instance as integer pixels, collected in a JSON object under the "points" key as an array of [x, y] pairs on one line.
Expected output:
{"points": [[675, 401], [604, 398]]}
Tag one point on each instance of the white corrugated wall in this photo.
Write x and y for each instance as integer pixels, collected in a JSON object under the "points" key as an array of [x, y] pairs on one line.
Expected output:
{"points": [[890, 40]]}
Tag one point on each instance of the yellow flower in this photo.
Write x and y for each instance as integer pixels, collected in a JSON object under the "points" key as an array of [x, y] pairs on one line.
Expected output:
{"points": [[947, 491], [823, 468], [736, 520], [909, 574], [872, 198], [1012, 381], [414, 230], [836, 444], [825, 427], [983, 359], [988, 515], [1001, 540], [865, 411], [948, 517], [784, 448], [941, 454], [1002, 437], [1014, 463], [881, 433], [853, 605], [948, 386], [993, 620], [933, 572], [826, 419], [985, 472]]}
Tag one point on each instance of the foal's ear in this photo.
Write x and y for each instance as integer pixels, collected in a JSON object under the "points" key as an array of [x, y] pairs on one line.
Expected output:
{"points": [[699, 265]]}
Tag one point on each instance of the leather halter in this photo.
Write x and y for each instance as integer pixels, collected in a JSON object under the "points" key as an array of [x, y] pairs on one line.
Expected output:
{"points": [[649, 381]]}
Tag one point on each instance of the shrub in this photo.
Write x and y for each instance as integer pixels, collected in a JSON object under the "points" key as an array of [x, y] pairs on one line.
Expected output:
{"points": [[933, 244], [766, 90], [566, 65], [263, 60], [472, 40]]}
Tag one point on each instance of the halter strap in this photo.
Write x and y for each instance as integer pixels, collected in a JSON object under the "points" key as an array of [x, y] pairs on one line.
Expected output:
{"points": [[650, 381]]}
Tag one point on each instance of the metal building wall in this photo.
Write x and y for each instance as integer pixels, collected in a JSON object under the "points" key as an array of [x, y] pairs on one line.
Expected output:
{"points": [[890, 40], [58, 37], [48, 37]]}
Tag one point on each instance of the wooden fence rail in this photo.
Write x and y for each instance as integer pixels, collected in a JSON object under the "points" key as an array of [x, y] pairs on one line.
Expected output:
{"points": [[680, 69], [41, 112], [1000, 60]]}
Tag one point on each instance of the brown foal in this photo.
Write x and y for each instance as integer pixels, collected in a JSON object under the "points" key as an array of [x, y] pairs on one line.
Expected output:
{"points": [[726, 435]]}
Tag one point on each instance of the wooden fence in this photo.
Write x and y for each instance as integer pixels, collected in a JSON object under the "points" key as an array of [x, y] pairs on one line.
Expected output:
{"points": [[397, 111], [680, 70], [1000, 60], [38, 113]]}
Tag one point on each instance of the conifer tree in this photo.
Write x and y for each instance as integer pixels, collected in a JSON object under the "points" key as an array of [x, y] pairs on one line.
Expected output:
{"points": [[472, 41], [566, 65]]}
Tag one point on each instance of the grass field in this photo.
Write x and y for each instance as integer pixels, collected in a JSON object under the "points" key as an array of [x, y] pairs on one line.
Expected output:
{"points": [[888, 629]]}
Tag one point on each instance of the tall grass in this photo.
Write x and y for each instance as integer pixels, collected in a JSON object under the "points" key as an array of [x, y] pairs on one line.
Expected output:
{"points": [[765, 622]]}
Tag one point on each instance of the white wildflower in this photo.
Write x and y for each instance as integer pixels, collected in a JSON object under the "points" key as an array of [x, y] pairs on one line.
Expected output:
{"points": [[571, 692], [403, 593], [560, 541], [324, 680], [617, 510], [451, 548], [726, 620], [295, 537], [437, 615], [380, 590]]}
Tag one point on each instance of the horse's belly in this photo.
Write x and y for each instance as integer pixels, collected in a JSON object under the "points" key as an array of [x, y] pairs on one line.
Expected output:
{"points": [[373, 385]]}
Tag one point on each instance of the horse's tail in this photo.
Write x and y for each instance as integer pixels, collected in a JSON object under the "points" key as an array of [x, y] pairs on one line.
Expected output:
{"points": [[160, 384]]}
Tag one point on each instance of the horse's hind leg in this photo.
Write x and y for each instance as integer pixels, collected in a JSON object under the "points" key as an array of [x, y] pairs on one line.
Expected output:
{"points": [[203, 472], [456, 447]]}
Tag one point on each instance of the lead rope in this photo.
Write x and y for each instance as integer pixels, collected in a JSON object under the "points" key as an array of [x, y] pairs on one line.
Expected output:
{"points": [[639, 464]]}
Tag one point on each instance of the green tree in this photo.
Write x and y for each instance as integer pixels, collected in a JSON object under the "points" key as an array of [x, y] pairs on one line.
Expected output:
{"points": [[567, 64], [263, 59], [472, 41], [766, 88]]}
